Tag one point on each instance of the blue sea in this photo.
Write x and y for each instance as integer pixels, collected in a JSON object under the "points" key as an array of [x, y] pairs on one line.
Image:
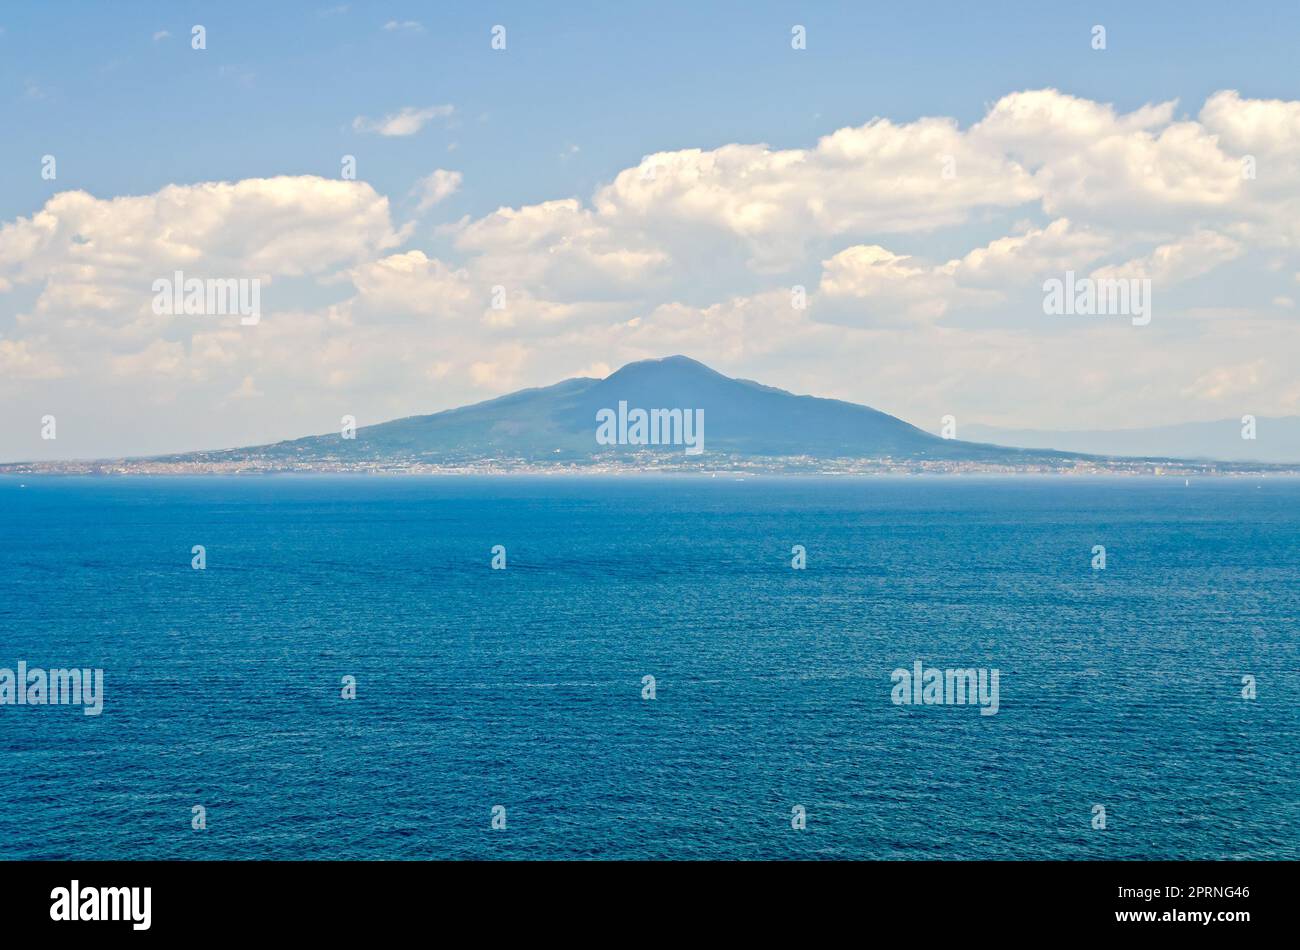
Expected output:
{"points": [[523, 687]]}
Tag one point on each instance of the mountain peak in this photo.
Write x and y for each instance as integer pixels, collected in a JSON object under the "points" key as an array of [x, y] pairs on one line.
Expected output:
{"points": [[665, 364]]}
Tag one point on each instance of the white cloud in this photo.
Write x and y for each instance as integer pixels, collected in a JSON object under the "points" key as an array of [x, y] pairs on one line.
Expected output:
{"points": [[879, 178], [867, 284], [413, 283], [560, 248], [286, 226], [1260, 126], [406, 121], [1196, 254], [21, 360], [436, 186], [1023, 259]]}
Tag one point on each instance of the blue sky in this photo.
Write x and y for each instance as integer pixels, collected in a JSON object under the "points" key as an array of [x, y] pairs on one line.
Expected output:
{"points": [[279, 84], [533, 171]]}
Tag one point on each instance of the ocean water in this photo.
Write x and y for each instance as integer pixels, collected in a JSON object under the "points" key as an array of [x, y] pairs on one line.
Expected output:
{"points": [[523, 687]]}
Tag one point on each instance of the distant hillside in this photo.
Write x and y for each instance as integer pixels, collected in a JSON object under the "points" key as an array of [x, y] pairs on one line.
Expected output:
{"points": [[1276, 440]]}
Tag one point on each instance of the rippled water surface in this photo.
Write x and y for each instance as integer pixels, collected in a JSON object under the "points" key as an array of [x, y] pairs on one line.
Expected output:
{"points": [[523, 687]]}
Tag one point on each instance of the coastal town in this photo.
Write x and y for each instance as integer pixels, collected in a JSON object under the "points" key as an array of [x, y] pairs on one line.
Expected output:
{"points": [[639, 463]]}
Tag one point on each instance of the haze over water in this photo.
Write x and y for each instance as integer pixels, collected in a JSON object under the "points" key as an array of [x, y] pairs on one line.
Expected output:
{"points": [[522, 687]]}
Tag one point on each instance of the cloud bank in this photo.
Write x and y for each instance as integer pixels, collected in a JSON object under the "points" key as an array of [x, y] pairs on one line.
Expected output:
{"points": [[825, 269]]}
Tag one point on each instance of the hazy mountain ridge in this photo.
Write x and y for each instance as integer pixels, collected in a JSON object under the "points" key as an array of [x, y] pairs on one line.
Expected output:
{"points": [[1277, 440], [558, 423], [746, 426]]}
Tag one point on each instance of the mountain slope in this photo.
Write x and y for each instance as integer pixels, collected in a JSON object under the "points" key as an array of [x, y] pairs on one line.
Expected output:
{"points": [[559, 422], [1277, 440]]}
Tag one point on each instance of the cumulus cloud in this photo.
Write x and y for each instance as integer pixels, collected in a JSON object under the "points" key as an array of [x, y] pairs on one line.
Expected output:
{"points": [[287, 226], [874, 285], [1028, 256], [559, 247], [880, 177], [868, 285], [1260, 126], [413, 283], [91, 264]]}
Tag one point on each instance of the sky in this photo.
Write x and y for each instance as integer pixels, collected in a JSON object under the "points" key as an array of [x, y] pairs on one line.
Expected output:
{"points": [[870, 217]]}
